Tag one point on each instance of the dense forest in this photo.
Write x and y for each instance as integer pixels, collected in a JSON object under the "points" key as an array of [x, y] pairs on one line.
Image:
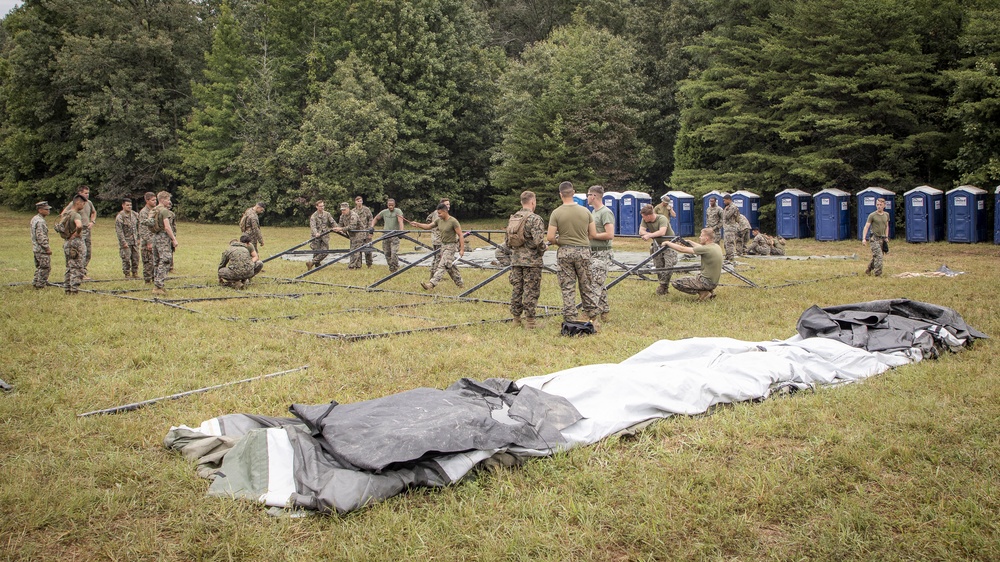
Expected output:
{"points": [[226, 102]]}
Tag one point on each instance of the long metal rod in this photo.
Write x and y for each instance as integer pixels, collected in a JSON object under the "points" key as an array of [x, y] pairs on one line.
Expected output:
{"points": [[137, 405], [295, 247], [635, 268], [485, 282]]}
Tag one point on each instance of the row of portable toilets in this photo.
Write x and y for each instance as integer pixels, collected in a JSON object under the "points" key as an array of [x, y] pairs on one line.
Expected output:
{"points": [[931, 214]]}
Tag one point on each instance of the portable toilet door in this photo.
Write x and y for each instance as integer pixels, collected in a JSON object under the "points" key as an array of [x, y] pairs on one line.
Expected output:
{"points": [[581, 200], [628, 215], [833, 217], [715, 194], [792, 208], [612, 199], [866, 206], [996, 216], [683, 223], [924, 214], [966, 214], [749, 205]]}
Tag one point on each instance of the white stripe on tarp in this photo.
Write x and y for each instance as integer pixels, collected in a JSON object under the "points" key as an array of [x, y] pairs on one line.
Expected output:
{"points": [[211, 427], [280, 479]]}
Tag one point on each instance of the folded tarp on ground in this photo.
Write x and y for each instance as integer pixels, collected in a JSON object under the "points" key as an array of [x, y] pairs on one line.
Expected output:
{"points": [[319, 465]]}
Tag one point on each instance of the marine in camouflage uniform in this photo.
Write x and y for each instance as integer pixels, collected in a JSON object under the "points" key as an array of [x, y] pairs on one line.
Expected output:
{"points": [[436, 236], [40, 245], [502, 255], [164, 242], [571, 228], [74, 248], [526, 263], [365, 214], [237, 265], [127, 231], [777, 246], [649, 226], [319, 223], [877, 231], [713, 219], [760, 246], [250, 224], [601, 251], [742, 235], [88, 215], [392, 219], [351, 225], [146, 239], [730, 226]]}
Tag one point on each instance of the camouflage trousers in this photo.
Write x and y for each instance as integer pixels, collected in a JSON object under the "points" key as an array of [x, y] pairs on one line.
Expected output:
{"points": [[76, 255], [357, 241], [574, 268], [390, 247], [148, 261], [600, 262], [875, 266], [85, 234], [368, 254], [163, 253], [43, 267], [663, 260], [759, 249], [694, 285], [130, 259], [742, 239], [729, 246], [446, 262], [319, 244], [241, 274], [435, 260], [526, 286]]}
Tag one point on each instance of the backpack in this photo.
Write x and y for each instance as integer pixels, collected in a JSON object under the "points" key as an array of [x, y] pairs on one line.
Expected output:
{"points": [[151, 223], [571, 328], [515, 229], [243, 223], [64, 228]]}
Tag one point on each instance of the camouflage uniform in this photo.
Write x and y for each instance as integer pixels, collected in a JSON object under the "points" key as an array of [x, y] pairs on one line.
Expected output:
{"points": [[694, 284], [730, 225], [237, 264], [43, 253], [76, 255], [502, 254], [574, 266], [742, 235], [875, 243], [320, 222], [760, 246], [435, 243], [601, 254], [713, 220], [163, 249], [777, 246], [357, 232], [665, 259], [250, 224], [127, 230], [366, 216], [526, 267], [85, 214], [146, 246]]}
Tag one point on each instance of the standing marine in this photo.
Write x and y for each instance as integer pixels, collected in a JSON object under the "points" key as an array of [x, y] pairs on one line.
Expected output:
{"points": [[350, 224], [656, 230], [365, 215], [876, 232], [526, 241], [392, 219], [71, 230], [164, 240], [320, 225], [452, 242], [571, 228], [146, 238], [601, 252], [127, 231], [250, 224], [40, 245], [730, 225]]}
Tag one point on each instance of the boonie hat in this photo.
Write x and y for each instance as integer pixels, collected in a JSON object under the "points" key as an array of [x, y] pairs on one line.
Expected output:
{"points": [[43, 205]]}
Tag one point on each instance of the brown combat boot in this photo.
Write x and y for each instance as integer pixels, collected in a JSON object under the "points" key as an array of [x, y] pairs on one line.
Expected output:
{"points": [[517, 321], [309, 265], [159, 292], [662, 290], [595, 320], [529, 322], [605, 316]]}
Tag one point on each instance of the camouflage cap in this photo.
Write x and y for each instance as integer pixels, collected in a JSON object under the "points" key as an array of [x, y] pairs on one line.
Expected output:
{"points": [[345, 206], [43, 205]]}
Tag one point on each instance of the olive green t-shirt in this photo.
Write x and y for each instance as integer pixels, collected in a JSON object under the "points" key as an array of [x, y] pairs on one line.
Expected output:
{"points": [[162, 216], [72, 217], [572, 223], [446, 227], [657, 224], [711, 261], [879, 223], [390, 219], [604, 219]]}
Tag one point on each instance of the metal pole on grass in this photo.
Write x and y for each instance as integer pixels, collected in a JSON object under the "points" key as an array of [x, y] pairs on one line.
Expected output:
{"points": [[137, 405]]}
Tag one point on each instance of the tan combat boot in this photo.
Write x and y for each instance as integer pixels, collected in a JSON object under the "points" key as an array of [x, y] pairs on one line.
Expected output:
{"points": [[529, 323], [517, 321]]}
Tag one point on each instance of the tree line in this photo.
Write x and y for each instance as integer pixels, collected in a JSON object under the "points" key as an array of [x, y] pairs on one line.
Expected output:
{"points": [[226, 102]]}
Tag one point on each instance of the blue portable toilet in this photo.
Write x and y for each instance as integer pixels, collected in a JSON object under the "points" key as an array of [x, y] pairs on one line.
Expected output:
{"points": [[715, 194], [966, 214], [683, 223], [866, 206], [628, 213], [749, 205], [924, 214], [612, 200], [792, 209], [581, 200], [833, 215], [996, 217]]}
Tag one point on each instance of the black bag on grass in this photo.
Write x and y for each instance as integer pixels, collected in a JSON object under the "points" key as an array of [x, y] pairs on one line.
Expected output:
{"points": [[885, 246], [571, 328]]}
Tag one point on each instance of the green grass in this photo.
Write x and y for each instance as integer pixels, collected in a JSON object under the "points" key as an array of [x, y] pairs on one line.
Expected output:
{"points": [[902, 467]]}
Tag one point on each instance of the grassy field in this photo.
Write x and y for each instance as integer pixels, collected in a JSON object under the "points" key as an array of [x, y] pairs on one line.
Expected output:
{"points": [[902, 467]]}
